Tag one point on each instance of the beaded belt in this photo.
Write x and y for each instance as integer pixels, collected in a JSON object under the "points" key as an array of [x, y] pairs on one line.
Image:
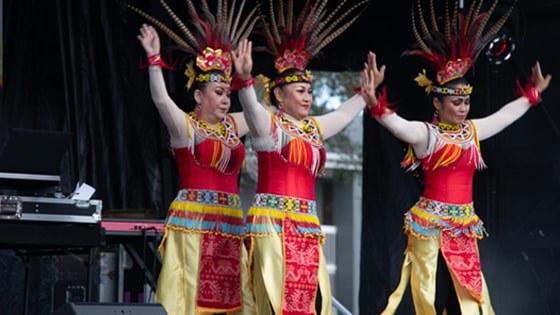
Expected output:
{"points": [[427, 218], [445, 209], [209, 197], [285, 203], [269, 212], [206, 211]]}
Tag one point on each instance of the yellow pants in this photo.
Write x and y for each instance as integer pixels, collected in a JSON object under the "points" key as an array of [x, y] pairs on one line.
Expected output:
{"points": [[268, 276], [420, 266], [178, 279]]}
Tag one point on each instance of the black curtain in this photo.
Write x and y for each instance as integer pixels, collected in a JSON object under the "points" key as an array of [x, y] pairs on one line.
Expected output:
{"points": [[75, 66], [517, 196]]}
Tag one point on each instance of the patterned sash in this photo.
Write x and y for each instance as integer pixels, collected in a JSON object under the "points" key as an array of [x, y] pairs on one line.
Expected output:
{"points": [[219, 218]]}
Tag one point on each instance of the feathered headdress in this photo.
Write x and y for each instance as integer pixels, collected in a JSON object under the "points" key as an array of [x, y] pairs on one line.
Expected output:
{"points": [[295, 40], [211, 36], [453, 49]]}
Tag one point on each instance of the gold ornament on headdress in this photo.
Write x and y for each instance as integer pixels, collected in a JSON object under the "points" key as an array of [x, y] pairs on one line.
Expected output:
{"points": [[190, 74], [214, 59], [423, 81], [265, 82]]}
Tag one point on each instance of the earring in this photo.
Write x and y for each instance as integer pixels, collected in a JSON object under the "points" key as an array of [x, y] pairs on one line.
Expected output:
{"points": [[435, 117]]}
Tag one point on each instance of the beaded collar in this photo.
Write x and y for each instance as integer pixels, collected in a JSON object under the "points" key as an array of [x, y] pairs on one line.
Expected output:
{"points": [[458, 133], [308, 131], [223, 131]]}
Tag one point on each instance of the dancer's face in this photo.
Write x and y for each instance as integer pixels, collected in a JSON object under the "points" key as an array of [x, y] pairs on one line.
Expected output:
{"points": [[295, 99], [453, 109], [213, 101]]}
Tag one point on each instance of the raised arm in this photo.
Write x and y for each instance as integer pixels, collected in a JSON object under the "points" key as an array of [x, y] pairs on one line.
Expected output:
{"points": [[171, 114], [412, 132], [256, 116], [509, 113], [335, 121], [505, 116]]}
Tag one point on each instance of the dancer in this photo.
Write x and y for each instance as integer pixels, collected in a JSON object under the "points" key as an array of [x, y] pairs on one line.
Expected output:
{"points": [[204, 267], [443, 222], [289, 273]]}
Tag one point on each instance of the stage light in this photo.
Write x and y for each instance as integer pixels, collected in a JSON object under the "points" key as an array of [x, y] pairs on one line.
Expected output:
{"points": [[500, 49]]}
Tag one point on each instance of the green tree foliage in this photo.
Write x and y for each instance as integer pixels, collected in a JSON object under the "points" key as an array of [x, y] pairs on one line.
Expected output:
{"points": [[328, 85], [336, 85]]}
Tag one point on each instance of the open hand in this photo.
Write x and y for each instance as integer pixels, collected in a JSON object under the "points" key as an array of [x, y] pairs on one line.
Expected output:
{"points": [[149, 39], [367, 86], [378, 72], [540, 82], [242, 59]]}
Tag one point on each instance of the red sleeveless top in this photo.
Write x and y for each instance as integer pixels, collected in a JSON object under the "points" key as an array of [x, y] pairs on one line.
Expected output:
{"points": [[450, 165], [292, 171], [215, 162]]}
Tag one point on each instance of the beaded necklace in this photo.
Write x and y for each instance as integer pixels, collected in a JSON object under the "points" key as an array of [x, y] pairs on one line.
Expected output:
{"points": [[309, 130], [223, 131], [458, 133]]}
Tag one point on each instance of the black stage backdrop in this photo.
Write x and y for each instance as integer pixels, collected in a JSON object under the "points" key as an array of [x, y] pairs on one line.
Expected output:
{"points": [[74, 66], [517, 196]]}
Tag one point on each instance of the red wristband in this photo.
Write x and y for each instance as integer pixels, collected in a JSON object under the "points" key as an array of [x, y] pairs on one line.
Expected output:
{"points": [[237, 83], [156, 60], [530, 91], [383, 106]]}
